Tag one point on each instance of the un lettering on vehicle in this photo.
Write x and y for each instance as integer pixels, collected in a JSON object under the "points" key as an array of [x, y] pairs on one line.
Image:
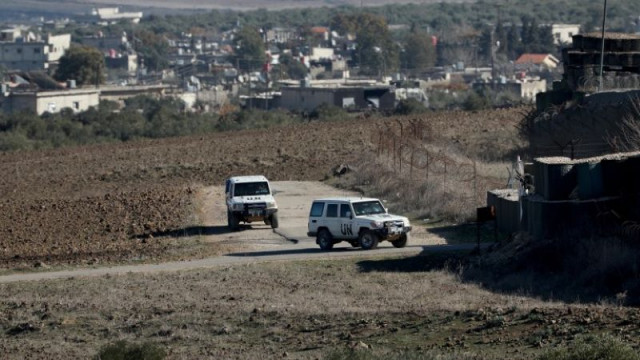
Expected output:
{"points": [[345, 229]]}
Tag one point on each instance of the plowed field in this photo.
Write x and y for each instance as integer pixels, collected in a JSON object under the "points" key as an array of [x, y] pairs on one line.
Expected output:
{"points": [[101, 203]]}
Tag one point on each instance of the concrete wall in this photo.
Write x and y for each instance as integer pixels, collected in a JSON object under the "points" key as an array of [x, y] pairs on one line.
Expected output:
{"points": [[507, 205], [215, 97], [105, 43], [563, 33], [573, 197], [35, 55], [306, 99], [127, 62], [52, 101], [321, 53], [24, 56], [527, 89], [58, 45], [558, 219], [530, 89]]}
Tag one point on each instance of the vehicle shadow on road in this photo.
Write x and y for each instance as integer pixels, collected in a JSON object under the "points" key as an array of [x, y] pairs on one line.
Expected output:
{"points": [[291, 252], [194, 231]]}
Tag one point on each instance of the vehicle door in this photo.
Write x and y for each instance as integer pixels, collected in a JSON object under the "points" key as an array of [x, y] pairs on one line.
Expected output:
{"points": [[346, 222], [316, 218], [333, 221]]}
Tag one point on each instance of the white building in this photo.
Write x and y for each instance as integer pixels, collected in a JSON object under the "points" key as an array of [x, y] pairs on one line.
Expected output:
{"points": [[52, 101], [112, 15], [28, 53], [318, 53], [562, 33]]}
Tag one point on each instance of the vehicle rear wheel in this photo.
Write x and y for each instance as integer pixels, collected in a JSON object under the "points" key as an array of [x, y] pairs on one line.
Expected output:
{"points": [[273, 220], [402, 241], [325, 240], [232, 221], [368, 240]]}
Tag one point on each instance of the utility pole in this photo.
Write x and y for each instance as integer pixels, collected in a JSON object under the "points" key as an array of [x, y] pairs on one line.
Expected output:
{"points": [[604, 22]]}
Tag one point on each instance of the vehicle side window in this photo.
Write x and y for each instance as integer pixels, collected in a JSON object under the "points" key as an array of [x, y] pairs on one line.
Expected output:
{"points": [[316, 209], [332, 210], [344, 210]]}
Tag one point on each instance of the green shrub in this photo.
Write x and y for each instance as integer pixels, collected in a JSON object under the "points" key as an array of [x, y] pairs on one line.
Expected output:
{"points": [[476, 101], [603, 347], [326, 112], [410, 106], [10, 141], [122, 350]]}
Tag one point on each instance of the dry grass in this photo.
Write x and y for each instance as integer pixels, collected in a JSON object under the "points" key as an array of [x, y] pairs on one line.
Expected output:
{"points": [[452, 193], [438, 165], [306, 310], [245, 311]]}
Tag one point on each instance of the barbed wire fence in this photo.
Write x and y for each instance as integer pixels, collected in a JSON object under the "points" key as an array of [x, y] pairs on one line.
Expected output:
{"points": [[448, 181]]}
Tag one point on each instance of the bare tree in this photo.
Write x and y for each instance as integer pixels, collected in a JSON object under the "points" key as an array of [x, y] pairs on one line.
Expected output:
{"points": [[628, 138]]}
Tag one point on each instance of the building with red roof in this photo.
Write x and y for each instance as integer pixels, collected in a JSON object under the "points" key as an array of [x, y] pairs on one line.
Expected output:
{"points": [[540, 60]]}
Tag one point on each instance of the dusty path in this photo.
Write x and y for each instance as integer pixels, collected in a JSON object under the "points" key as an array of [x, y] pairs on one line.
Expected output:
{"points": [[258, 242]]}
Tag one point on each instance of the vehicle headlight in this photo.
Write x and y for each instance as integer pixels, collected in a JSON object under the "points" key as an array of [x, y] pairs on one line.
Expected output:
{"points": [[271, 204], [237, 206], [376, 224]]}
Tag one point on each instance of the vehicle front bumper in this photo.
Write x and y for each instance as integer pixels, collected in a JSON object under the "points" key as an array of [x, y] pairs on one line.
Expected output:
{"points": [[387, 233], [252, 214]]}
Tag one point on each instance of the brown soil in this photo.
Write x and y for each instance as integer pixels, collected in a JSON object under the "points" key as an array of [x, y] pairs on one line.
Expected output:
{"points": [[102, 203]]}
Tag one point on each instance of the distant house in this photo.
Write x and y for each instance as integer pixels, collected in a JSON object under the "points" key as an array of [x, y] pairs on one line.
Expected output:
{"points": [[540, 61], [119, 53], [321, 33], [318, 53], [52, 101], [113, 15], [280, 35], [30, 52], [563, 33], [308, 97], [525, 88], [106, 43]]}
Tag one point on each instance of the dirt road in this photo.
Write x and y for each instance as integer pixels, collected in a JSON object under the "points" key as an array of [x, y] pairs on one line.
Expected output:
{"points": [[257, 242]]}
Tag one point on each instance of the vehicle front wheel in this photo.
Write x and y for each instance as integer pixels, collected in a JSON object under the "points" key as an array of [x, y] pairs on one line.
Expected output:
{"points": [[402, 241], [273, 220], [325, 240], [368, 240]]}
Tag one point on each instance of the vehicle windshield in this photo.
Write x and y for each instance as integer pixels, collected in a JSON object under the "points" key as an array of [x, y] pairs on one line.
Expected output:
{"points": [[251, 188], [368, 208]]}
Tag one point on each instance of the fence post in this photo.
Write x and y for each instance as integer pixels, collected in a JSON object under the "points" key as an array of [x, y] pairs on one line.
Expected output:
{"points": [[400, 156], [475, 181], [411, 165], [427, 168], [394, 153], [444, 179]]}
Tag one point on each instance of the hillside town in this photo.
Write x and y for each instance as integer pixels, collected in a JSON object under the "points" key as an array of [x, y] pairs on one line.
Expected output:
{"points": [[297, 69]]}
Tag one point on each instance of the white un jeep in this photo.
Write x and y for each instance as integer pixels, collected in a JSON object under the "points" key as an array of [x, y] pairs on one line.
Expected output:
{"points": [[361, 221], [249, 199]]}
